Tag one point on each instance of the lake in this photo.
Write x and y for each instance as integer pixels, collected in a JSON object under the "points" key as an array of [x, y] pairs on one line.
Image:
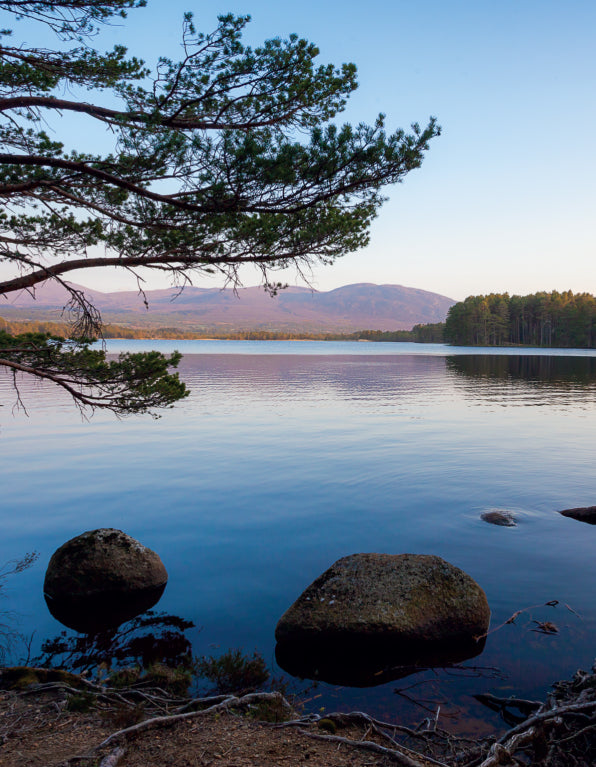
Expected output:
{"points": [[290, 455]]}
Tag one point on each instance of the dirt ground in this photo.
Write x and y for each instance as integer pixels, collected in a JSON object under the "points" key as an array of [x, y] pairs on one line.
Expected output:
{"points": [[36, 731], [51, 718]]}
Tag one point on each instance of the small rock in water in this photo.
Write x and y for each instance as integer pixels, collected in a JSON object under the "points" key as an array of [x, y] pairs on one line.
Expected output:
{"points": [[497, 517], [583, 514]]}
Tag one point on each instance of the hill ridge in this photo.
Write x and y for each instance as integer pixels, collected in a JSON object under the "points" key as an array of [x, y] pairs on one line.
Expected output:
{"points": [[348, 308]]}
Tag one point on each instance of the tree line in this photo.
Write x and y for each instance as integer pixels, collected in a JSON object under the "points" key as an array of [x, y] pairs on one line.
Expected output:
{"points": [[431, 333], [541, 319]]}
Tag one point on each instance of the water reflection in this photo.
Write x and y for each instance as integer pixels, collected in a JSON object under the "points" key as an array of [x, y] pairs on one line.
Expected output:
{"points": [[275, 467], [145, 640], [368, 663], [379, 381], [102, 612], [552, 372]]}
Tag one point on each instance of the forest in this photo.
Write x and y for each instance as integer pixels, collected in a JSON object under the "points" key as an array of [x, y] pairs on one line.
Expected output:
{"points": [[542, 319]]}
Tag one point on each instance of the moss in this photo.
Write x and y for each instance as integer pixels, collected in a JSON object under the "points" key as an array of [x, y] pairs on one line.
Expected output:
{"points": [[328, 725], [59, 675], [20, 677], [174, 680], [124, 677], [274, 711]]}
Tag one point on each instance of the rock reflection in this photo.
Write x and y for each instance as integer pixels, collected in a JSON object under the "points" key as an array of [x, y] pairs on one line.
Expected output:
{"points": [[368, 663], [105, 612]]}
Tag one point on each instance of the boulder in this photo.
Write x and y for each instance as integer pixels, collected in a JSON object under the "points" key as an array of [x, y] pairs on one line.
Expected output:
{"points": [[101, 578], [499, 517], [406, 597], [583, 514], [397, 610]]}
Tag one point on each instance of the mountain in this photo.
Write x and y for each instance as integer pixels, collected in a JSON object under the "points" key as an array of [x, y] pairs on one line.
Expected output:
{"points": [[362, 306]]}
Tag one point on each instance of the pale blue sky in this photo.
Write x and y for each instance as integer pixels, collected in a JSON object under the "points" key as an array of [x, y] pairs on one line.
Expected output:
{"points": [[505, 199]]}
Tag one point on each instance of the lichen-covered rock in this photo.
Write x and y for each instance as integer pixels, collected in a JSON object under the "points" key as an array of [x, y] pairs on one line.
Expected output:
{"points": [[407, 599], [583, 514], [101, 578]]}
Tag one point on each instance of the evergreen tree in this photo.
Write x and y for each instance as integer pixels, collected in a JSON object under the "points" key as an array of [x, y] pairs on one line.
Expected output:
{"points": [[541, 319], [230, 156]]}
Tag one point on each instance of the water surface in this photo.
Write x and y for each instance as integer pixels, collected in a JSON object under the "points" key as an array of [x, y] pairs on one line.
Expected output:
{"points": [[289, 455]]}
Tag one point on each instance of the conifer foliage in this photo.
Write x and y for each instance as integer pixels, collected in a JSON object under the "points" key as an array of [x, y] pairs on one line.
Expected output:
{"points": [[230, 156]]}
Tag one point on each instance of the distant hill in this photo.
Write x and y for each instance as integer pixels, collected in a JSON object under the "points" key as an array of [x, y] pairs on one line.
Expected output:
{"points": [[362, 306]]}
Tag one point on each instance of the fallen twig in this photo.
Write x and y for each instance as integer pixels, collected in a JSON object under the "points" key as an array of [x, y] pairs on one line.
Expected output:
{"points": [[515, 616]]}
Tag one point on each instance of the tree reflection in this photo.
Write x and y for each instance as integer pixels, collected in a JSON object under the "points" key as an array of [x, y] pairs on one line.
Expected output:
{"points": [[9, 636], [148, 639], [562, 371]]}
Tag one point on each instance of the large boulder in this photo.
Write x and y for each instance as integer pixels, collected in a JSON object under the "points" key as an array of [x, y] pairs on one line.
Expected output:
{"points": [[393, 611], [101, 578]]}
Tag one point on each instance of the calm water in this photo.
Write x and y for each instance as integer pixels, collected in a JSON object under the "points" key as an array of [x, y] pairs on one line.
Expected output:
{"points": [[289, 455]]}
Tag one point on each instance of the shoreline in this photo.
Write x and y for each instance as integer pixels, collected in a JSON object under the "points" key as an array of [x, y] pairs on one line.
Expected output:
{"points": [[57, 719]]}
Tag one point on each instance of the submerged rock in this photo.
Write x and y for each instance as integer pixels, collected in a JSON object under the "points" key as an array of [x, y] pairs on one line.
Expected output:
{"points": [[499, 517], [582, 514], [102, 578], [403, 610]]}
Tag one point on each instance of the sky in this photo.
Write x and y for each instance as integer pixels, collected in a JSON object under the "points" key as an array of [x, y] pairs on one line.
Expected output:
{"points": [[505, 199]]}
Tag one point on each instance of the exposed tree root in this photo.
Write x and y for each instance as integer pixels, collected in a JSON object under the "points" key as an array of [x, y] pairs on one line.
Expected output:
{"points": [[431, 742], [560, 732], [113, 759], [557, 733], [398, 756], [228, 703]]}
